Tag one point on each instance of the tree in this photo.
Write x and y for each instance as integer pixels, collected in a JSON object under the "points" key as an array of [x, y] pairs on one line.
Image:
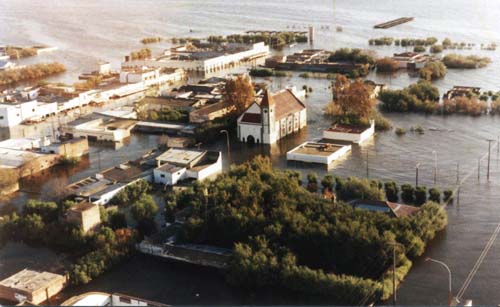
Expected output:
{"points": [[327, 183], [312, 183], [387, 64], [435, 195], [117, 219], [420, 195], [55, 189], [408, 193], [239, 92], [433, 70], [391, 191], [351, 99], [48, 211], [144, 209]]}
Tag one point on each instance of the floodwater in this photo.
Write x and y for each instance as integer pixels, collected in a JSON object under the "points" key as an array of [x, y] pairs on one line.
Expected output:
{"points": [[87, 31]]}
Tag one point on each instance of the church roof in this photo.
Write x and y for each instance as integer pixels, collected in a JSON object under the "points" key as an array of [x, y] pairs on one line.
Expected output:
{"points": [[267, 100], [286, 103]]}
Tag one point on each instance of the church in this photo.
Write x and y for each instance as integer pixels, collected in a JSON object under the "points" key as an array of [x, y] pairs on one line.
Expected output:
{"points": [[272, 117]]}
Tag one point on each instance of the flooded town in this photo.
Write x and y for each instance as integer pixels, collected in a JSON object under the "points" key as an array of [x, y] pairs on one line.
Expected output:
{"points": [[172, 153]]}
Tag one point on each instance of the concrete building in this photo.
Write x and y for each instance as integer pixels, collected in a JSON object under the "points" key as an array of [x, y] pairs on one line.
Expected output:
{"points": [[272, 118], [72, 148], [178, 164], [321, 153], [98, 129], [31, 286], [24, 156], [349, 133], [411, 60], [204, 59], [210, 112], [102, 187], [85, 215]]}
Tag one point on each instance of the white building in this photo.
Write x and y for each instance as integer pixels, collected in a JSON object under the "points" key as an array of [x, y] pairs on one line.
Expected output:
{"points": [[178, 164], [98, 129], [350, 133], [22, 105], [274, 117], [106, 299], [321, 153], [202, 61]]}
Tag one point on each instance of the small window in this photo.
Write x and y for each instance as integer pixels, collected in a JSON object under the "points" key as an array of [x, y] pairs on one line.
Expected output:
{"points": [[33, 110], [1, 117], [162, 176]]}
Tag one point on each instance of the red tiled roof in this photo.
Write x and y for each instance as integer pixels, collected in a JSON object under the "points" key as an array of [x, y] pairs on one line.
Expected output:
{"points": [[286, 103], [251, 118]]}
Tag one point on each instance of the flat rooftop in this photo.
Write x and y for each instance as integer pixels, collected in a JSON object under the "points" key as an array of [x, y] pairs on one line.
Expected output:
{"points": [[347, 128], [179, 156], [29, 280], [317, 149], [12, 158]]}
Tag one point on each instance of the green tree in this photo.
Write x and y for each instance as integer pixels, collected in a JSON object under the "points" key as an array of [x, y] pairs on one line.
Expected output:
{"points": [[420, 195], [391, 191], [408, 193], [435, 195]]}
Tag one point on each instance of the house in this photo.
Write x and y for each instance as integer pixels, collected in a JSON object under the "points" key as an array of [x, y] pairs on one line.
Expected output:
{"points": [[462, 91], [349, 133], [387, 207], [102, 187], [321, 153], [31, 286], [85, 215], [411, 60], [210, 112], [176, 165], [272, 118]]}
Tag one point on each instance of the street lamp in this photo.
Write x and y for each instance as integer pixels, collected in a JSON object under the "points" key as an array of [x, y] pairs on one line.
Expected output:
{"points": [[449, 276], [394, 294], [227, 141]]}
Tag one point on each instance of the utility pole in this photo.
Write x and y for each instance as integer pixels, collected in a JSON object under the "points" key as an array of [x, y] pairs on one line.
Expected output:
{"points": [[489, 155], [498, 146], [458, 172], [416, 174]]}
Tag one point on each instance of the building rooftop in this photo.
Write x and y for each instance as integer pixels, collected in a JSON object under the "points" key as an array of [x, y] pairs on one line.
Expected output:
{"points": [[81, 207], [169, 168], [317, 149], [393, 209], [347, 128], [285, 103], [29, 280], [180, 156]]}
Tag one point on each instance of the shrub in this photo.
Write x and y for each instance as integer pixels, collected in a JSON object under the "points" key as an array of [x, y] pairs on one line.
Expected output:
{"points": [[419, 49], [466, 62], [420, 195], [387, 64], [261, 72], [447, 195], [435, 195], [30, 72], [436, 48], [327, 183], [433, 70], [391, 191], [355, 188], [400, 131], [408, 193]]}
